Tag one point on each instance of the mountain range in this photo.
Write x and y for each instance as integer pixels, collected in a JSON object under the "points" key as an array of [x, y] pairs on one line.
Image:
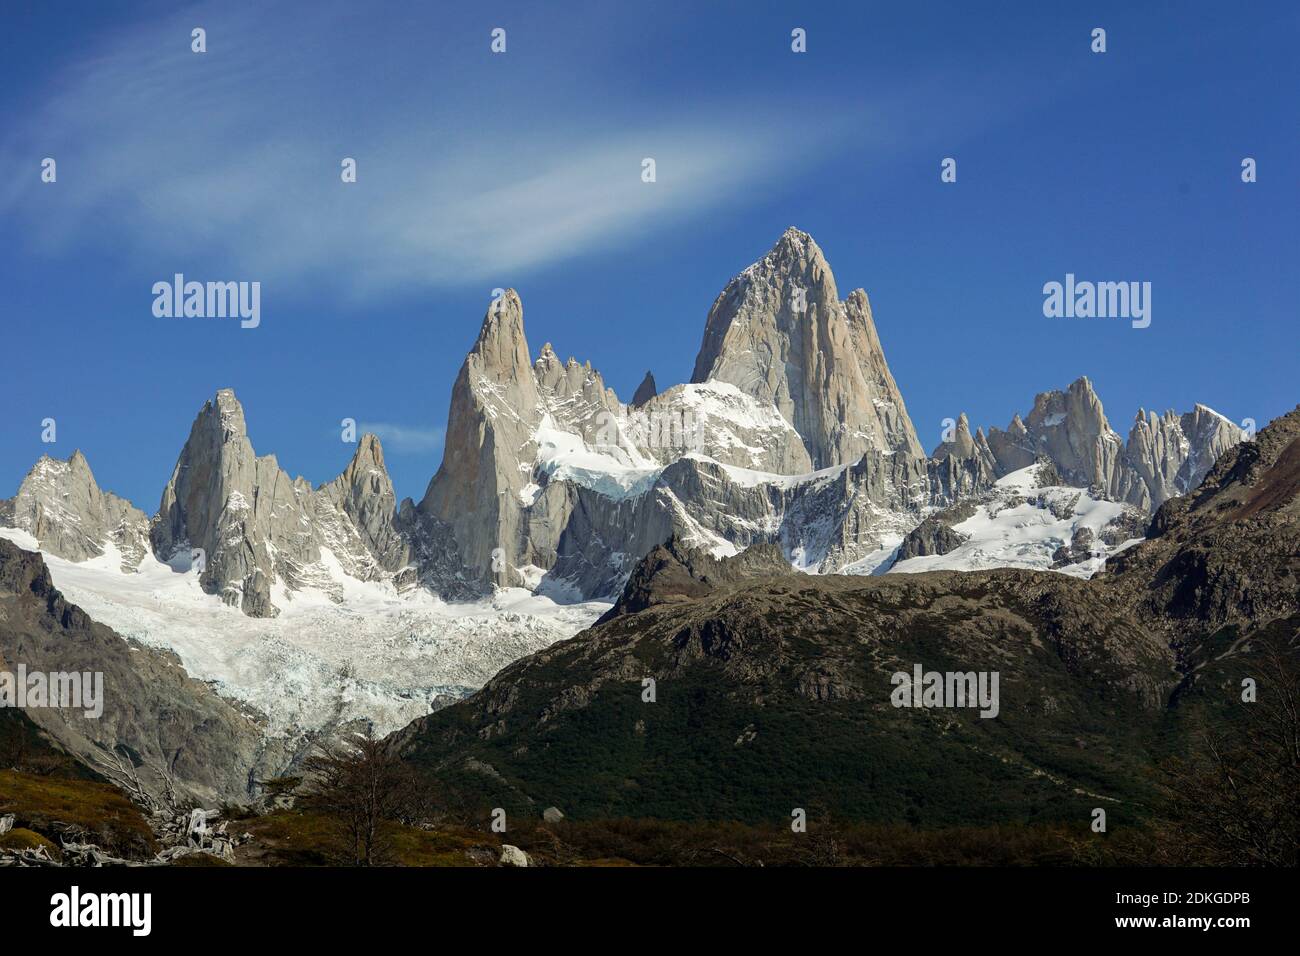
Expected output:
{"points": [[792, 431], [791, 437], [740, 689]]}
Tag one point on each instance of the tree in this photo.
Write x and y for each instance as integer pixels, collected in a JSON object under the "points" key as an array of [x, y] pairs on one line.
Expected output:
{"points": [[365, 786]]}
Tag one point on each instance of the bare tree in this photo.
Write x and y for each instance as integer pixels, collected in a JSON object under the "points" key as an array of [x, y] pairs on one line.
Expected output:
{"points": [[123, 774], [364, 786]]}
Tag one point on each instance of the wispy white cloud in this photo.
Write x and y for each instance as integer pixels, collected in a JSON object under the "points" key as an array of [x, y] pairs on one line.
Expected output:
{"points": [[232, 157]]}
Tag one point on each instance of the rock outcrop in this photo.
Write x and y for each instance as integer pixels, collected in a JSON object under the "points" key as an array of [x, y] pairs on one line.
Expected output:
{"points": [[645, 391], [931, 536], [1165, 455], [491, 429], [249, 526], [780, 333], [965, 446], [62, 507], [674, 572]]}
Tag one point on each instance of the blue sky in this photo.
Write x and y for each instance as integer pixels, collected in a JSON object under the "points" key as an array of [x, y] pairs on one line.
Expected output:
{"points": [[523, 169]]}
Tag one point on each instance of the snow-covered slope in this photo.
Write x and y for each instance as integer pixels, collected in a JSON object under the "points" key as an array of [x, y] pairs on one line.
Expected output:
{"points": [[377, 655], [1020, 524]]}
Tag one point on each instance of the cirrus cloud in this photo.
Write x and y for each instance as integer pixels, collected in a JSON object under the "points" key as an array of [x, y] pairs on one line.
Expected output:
{"points": [[232, 157]]}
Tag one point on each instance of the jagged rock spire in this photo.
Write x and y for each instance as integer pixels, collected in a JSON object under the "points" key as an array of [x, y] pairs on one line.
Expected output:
{"points": [[1165, 455], [645, 391], [491, 429], [256, 527], [219, 498], [364, 492], [780, 333]]}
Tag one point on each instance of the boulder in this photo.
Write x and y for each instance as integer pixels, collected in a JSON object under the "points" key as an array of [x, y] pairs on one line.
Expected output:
{"points": [[513, 856]]}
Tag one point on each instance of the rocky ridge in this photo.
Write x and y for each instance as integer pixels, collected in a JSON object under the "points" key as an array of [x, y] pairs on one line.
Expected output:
{"points": [[159, 725], [1164, 455], [765, 688], [792, 433]]}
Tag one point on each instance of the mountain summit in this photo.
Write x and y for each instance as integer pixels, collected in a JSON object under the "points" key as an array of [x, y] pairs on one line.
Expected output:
{"points": [[491, 427], [250, 526], [780, 333], [60, 504]]}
